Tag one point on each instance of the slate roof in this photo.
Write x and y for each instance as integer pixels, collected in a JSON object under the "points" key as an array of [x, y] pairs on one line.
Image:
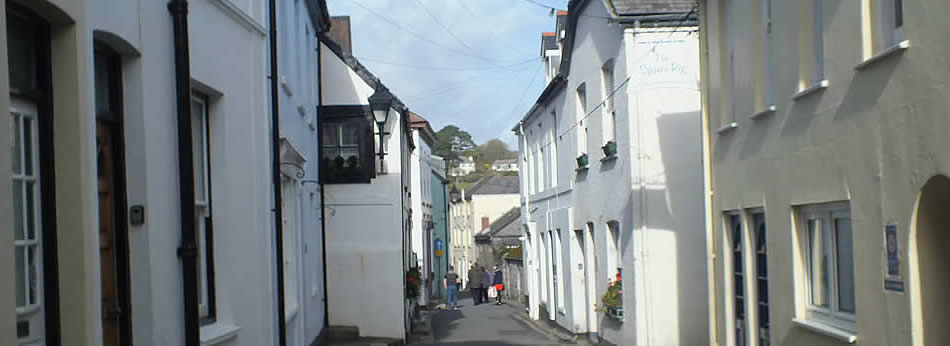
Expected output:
{"points": [[494, 185], [647, 7], [506, 226]]}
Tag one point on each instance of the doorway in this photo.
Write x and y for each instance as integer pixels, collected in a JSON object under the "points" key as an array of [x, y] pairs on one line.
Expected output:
{"points": [[932, 276], [113, 233], [590, 276]]}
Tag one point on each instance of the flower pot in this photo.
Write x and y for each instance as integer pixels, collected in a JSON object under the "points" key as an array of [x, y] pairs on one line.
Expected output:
{"points": [[610, 149], [615, 312], [583, 161]]}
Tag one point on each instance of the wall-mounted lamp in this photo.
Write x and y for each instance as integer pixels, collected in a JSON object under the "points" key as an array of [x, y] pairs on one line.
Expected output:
{"points": [[380, 103]]}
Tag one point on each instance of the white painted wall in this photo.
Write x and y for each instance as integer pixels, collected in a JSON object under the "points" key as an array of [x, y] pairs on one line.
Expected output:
{"points": [[661, 229], [366, 255]]}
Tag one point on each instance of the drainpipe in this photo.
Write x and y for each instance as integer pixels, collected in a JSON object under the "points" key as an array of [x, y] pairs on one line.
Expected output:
{"points": [[708, 179], [275, 172], [323, 195], [188, 249]]}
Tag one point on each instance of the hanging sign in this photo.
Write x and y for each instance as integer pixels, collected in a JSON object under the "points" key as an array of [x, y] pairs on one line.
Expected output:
{"points": [[893, 281]]}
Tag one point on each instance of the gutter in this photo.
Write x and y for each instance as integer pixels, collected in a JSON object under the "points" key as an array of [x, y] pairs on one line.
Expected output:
{"points": [[275, 172], [188, 249]]}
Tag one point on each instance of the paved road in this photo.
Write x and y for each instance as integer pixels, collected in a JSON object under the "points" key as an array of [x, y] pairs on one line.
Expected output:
{"points": [[484, 325]]}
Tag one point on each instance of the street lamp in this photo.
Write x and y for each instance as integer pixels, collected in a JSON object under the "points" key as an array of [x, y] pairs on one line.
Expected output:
{"points": [[380, 103], [454, 195]]}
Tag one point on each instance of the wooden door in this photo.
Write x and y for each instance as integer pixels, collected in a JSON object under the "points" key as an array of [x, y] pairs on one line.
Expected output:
{"points": [[111, 308]]}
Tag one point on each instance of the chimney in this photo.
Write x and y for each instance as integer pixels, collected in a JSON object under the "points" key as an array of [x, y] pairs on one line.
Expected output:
{"points": [[340, 33], [485, 223]]}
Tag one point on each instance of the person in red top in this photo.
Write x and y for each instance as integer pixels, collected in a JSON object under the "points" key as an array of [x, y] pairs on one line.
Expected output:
{"points": [[499, 283]]}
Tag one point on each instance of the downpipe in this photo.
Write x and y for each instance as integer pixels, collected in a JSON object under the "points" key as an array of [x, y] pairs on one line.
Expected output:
{"points": [[275, 171], [188, 249]]}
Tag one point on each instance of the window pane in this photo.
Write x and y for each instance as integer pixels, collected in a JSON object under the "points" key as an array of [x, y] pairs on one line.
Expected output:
{"points": [[31, 279], [817, 264], [349, 134], [198, 144], [20, 276], [352, 157], [16, 144], [103, 100], [30, 210], [28, 146], [898, 13], [21, 50], [331, 134], [331, 153], [845, 255], [18, 210]]}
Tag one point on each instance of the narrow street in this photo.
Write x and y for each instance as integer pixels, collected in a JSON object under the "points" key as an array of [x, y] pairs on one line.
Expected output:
{"points": [[484, 325]]}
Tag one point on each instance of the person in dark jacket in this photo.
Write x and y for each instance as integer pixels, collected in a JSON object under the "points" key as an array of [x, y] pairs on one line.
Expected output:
{"points": [[475, 284], [486, 283], [499, 283]]}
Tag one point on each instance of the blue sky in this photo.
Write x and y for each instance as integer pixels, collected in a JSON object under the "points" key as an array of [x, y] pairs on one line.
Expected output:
{"points": [[482, 74]]}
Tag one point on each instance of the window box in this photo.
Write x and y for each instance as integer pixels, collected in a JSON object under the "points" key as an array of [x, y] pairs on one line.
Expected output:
{"points": [[583, 161], [610, 149]]}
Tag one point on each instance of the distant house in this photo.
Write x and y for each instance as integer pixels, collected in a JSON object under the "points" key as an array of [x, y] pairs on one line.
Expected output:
{"points": [[465, 167], [494, 241], [473, 210], [510, 165]]}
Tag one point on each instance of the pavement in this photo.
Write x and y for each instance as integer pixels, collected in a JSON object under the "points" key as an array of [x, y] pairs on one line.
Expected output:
{"points": [[484, 325]]}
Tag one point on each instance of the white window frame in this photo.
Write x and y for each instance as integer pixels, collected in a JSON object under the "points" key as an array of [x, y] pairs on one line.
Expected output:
{"points": [[203, 209], [731, 56], [32, 310], [768, 98], [609, 117], [581, 100], [554, 166], [614, 249], [825, 215]]}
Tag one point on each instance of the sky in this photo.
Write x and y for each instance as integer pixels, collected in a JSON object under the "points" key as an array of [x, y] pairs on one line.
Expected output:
{"points": [[475, 64]]}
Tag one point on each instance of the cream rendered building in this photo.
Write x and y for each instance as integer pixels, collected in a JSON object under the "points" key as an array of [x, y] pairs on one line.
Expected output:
{"points": [[475, 209], [827, 130]]}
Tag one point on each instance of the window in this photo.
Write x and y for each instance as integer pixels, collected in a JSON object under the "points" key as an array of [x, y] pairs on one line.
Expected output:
{"points": [[887, 19], [736, 240], [731, 33], [27, 220], [614, 254], [767, 99], [346, 146], [581, 114], [554, 167], [813, 55], [559, 271], [543, 168], [828, 262], [761, 277], [609, 121], [200, 141]]}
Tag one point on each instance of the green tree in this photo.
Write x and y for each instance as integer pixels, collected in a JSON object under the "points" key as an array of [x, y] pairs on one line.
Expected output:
{"points": [[451, 143], [494, 150]]}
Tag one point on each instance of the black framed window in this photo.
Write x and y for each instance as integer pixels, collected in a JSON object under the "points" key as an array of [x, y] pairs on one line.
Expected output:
{"points": [[738, 275], [347, 145], [761, 277]]}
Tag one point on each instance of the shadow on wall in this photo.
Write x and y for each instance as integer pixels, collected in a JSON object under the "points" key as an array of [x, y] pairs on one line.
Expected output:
{"points": [[680, 139]]}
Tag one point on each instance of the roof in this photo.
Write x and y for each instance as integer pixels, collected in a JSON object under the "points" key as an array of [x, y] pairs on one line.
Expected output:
{"points": [[504, 226], [650, 7], [425, 130], [548, 41], [494, 185], [466, 159], [504, 162]]}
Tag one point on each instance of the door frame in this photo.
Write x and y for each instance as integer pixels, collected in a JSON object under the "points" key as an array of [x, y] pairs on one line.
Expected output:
{"points": [[117, 127]]}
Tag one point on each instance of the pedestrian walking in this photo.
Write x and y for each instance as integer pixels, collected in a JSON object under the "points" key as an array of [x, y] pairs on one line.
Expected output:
{"points": [[475, 284], [499, 282], [451, 284], [486, 283]]}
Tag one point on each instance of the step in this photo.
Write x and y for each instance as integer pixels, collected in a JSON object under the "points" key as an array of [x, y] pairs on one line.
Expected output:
{"points": [[336, 334]]}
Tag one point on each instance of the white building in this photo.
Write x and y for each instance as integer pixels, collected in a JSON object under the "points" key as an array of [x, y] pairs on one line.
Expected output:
{"points": [[367, 196], [101, 211], [611, 170], [421, 169], [505, 166], [474, 210], [465, 166]]}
